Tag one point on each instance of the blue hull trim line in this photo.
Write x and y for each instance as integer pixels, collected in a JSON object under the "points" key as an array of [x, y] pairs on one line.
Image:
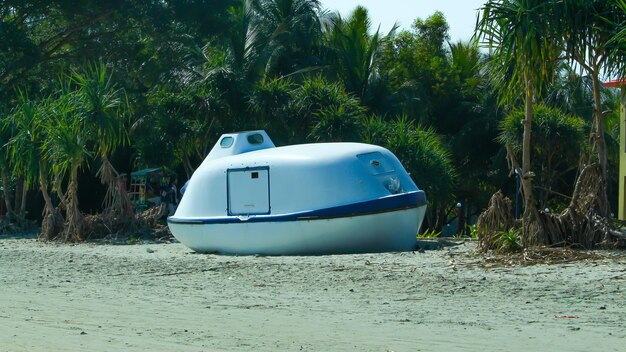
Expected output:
{"points": [[381, 205]]}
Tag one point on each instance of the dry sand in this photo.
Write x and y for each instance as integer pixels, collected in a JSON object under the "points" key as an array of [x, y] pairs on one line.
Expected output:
{"points": [[163, 297]]}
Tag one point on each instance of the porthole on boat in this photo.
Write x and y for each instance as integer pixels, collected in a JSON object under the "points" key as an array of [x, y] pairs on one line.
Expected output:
{"points": [[226, 142], [255, 139]]}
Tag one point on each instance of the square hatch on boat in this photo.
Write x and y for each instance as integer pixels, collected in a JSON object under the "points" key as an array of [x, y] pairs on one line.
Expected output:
{"points": [[248, 191]]}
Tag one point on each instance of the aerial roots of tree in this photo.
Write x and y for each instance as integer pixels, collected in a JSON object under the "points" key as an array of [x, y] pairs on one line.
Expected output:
{"points": [[98, 226], [579, 225]]}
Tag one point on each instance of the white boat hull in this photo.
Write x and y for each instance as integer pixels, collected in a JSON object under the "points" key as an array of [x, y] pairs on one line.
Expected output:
{"points": [[395, 230]]}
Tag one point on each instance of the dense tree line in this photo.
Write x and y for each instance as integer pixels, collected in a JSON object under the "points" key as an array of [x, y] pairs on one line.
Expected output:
{"points": [[87, 86]]}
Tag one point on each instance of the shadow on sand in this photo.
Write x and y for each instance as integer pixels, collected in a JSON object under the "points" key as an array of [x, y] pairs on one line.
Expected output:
{"points": [[32, 235]]}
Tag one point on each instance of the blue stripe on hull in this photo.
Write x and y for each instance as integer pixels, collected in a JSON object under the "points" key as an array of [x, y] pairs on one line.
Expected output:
{"points": [[381, 205]]}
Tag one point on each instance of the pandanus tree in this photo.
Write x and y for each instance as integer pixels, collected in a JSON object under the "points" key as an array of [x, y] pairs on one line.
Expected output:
{"points": [[102, 109], [315, 111], [26, 150], [5, 170], [523, 53], [586, 27], [557, 142], [326, 112], [67, 150], [13, 184]]}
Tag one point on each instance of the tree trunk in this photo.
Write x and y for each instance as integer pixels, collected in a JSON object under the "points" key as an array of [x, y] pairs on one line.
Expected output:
{"points": [[599, 142], [441, 218], [56, 184], [24, 199], [532, 234], [52, 223], [19, 186], [74, 223], [7, 195]]}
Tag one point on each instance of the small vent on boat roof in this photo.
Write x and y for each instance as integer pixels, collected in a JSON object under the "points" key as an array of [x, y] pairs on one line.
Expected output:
{"points": [[376, 163], [255, 139]]}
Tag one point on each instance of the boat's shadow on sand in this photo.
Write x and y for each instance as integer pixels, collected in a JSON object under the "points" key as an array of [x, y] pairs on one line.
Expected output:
{"points": [[19, 236]]}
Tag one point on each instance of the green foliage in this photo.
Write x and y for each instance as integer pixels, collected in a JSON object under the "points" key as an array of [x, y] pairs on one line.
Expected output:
{"points": [[420, 70], [429, 233], [354, 53], [502, 241], [557, 142], [294, 31], [184, 123], [553, 131], [472, 231], [336, 124], [67, 144], [102, 107], [508, 241], [327, 111], [41, 38], [524, 49], [134, 239], [316, 110], [25, 132], [590, 25], [270, 102]]}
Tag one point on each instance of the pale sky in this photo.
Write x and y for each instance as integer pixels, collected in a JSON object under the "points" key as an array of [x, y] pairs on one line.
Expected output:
{"points": [[460, 14]]}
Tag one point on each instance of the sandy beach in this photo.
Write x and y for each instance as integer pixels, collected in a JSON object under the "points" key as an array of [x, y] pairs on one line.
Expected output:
{"points": [[164, 297]]}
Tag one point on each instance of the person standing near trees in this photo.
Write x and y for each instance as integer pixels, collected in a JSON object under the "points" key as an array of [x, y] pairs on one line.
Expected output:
{"points": [[172, 196]]}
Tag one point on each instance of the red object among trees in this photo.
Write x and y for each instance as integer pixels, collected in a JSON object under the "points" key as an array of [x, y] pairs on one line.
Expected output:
{"points": [[615, 83]]}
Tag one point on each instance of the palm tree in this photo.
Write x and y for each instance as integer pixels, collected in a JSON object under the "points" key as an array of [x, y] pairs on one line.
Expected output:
{"points": [[294, 34], [354, 53], [246, 44], [232, 68], [518, 34], [571, 92]]}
